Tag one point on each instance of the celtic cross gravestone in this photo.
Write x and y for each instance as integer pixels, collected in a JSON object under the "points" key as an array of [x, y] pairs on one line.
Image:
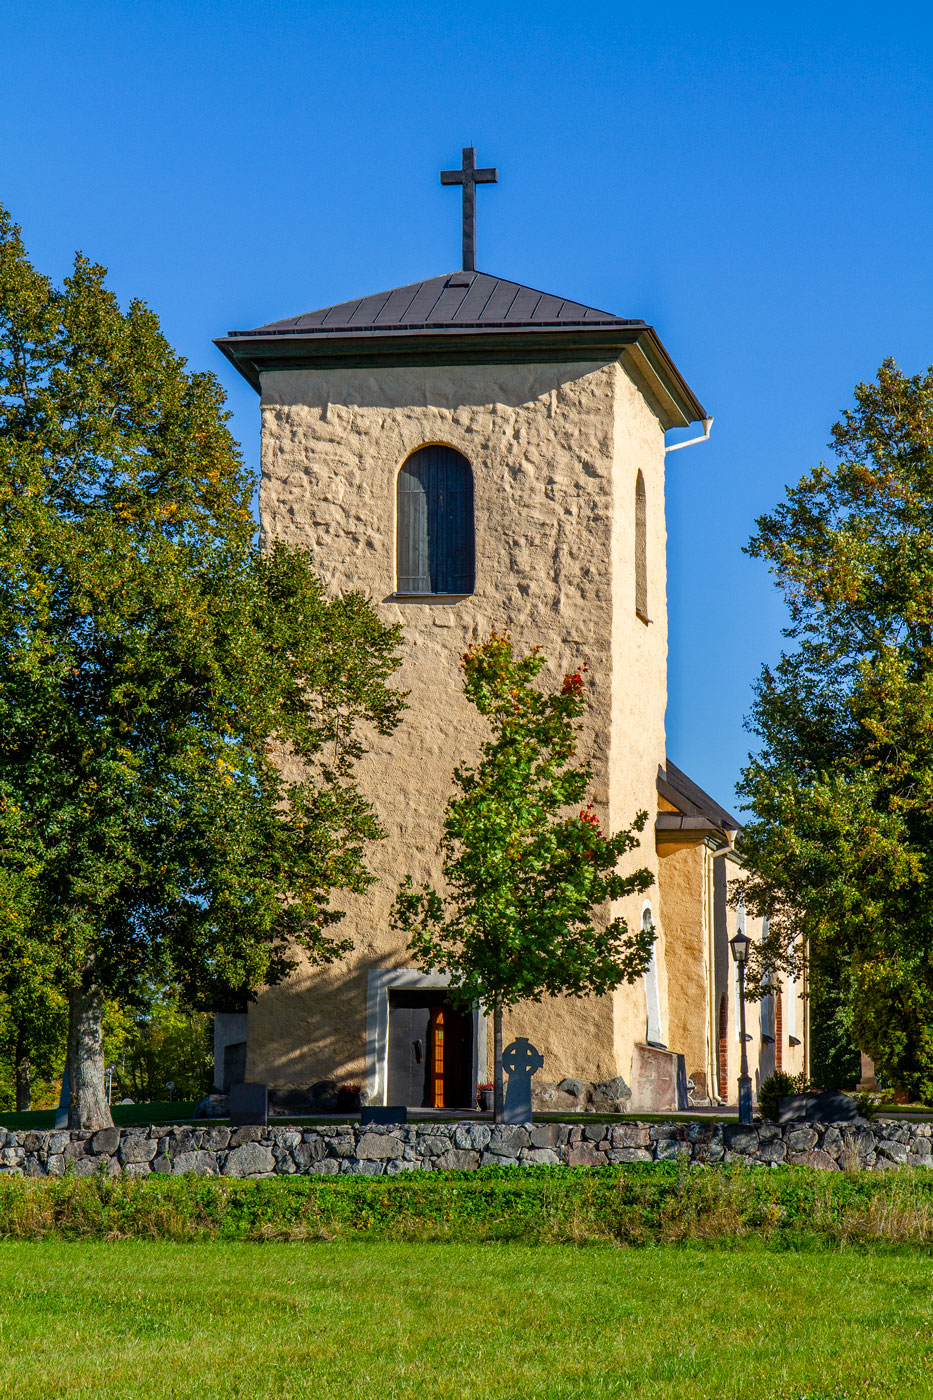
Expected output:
{"points": [[520, 1060]]}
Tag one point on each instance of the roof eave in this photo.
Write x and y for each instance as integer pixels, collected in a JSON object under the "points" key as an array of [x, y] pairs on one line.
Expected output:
{"points": [[253, 355]]}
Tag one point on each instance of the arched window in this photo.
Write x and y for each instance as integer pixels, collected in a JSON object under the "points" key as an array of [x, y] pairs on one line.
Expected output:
{"points": [[435, 552], [641, 549]]}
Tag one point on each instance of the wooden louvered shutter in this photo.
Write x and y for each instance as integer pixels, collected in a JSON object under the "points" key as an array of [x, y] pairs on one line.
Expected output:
{"points": [[435, 523]]}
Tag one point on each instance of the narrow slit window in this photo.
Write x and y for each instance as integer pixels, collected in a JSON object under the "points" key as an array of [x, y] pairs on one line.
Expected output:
{"points": [[652, 991], [436, 550], [641, 549]]}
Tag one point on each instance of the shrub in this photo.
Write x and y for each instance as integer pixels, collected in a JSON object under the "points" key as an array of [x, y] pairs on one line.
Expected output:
{"points": [[790, 1206], [772, 1090]]}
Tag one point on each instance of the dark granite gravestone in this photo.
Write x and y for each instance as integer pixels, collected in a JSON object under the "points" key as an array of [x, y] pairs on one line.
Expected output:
{"points": [[249, 1105], [383, 1113], [520, 1060], [824, 1107]]}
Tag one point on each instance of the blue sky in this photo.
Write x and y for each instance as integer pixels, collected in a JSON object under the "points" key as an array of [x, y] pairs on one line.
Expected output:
{"points": [[757, 182]]}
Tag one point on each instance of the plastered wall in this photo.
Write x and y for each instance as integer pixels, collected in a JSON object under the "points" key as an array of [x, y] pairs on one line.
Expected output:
{"points": [[727, 876], [684, 915], [555, 450]]}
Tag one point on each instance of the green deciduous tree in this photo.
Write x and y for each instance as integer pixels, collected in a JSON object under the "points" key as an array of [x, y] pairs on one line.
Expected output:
{"points": [[160, 1043], [840, 847], [180, 714], [33, 1011], [525, 876]]}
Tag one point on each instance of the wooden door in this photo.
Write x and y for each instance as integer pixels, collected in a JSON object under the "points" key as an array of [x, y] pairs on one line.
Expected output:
{"points": [[430, 1052], [409, 1046]]}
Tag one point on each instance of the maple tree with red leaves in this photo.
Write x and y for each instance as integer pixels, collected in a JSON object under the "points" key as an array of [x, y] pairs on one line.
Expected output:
{"points": [[526, 875]]}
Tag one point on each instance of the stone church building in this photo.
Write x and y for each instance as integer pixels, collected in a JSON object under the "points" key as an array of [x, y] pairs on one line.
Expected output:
{"points": [[470, 451]]}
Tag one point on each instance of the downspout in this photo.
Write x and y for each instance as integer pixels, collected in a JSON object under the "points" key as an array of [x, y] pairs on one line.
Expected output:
{"points": [[676, 446]]}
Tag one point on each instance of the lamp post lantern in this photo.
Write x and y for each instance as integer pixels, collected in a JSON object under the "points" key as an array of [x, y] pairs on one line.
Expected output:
{"points": [[740, 945]]}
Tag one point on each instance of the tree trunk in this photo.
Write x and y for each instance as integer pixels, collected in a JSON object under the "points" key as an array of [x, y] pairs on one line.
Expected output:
{"points": [[23, 1077], [88, 1109], [498, 1099]]}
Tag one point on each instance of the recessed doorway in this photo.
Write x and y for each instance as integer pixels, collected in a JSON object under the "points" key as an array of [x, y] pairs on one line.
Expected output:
{"points": [[430, 1060]]}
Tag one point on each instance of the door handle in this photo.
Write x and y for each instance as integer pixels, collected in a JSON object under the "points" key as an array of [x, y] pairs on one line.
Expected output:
{"points": [[419, 1052]]}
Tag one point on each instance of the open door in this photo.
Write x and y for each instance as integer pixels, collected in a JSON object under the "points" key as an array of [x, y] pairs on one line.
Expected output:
{"points": [[430, 1052]]}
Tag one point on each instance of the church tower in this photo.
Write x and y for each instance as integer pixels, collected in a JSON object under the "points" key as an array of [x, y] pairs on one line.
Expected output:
{"points": [[471, 452]]}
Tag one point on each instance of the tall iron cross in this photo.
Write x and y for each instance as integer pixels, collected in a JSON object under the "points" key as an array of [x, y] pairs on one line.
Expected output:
{"points": [[469, 177]]}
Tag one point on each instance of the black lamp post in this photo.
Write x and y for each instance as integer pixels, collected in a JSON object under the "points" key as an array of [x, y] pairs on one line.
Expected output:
{"points": [[740, 945]]}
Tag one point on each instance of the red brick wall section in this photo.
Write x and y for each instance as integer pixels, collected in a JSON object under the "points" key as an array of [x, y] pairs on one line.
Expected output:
{"points": [[723, 1047]]}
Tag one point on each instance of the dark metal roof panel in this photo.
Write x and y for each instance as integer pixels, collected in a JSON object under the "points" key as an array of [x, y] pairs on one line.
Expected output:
{"points": [[549, 308], [691, 799], [456, 299], [501, 297], [397, 304], [524, 305], [475, 300], [421, 308], [447, 306], [368, 310]]}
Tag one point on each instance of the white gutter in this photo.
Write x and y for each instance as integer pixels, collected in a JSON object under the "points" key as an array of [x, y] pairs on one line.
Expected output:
{"points": [[675, 446]]}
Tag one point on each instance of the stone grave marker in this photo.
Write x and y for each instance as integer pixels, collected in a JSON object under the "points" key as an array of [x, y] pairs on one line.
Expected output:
{"points": [[825, 1107], [520, 1060], [384, 1113], [249, 1105]]}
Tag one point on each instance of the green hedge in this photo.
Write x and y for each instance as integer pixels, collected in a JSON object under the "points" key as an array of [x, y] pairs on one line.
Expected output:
{"points": [[633, 1204]]}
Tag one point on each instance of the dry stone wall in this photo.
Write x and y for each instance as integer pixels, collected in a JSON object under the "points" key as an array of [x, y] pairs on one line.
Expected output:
{"points": [[376, 1150]]}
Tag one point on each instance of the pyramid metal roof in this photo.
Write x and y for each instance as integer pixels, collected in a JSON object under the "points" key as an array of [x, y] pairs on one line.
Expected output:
{"points": [[455, 301], [464, 317]]}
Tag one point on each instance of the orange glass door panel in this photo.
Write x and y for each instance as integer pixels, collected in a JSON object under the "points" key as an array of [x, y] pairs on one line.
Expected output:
{"points": [[437, 1057]]}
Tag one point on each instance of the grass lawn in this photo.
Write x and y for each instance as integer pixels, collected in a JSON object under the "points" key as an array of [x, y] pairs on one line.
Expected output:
{"points": [[476, 1322], [124, 1115]]}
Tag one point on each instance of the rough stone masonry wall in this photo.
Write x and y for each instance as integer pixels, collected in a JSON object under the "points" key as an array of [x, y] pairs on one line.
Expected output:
{"points": [[378, 1150], [555, 450]]}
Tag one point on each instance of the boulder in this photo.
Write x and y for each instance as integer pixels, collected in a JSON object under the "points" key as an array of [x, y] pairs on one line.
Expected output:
{"points": [[306, 1153], [472, 1136], [213, 1106], [612, 1096], [585, 1154], [507, 1139], [249, 1159], [455, 1159], [540, 1157], [105, 1142], [630, 1135], [376, 1147], [137, 1148]]}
